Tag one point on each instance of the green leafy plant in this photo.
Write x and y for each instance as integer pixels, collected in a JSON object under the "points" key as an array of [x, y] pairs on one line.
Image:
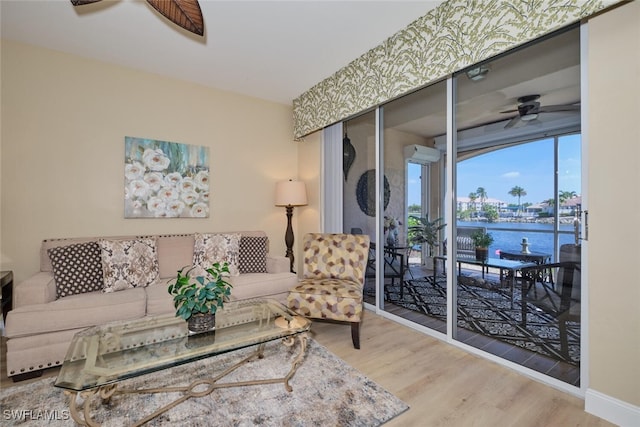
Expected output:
{"points": [[481, 239], [200, 294], [425, 231]]}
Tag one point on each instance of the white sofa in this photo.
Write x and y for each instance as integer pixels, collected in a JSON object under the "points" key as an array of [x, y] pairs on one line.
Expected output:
{"points": [[41, 326]]}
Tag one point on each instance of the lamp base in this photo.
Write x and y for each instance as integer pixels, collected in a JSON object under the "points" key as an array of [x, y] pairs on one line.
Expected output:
{"points": [[288, 237]]}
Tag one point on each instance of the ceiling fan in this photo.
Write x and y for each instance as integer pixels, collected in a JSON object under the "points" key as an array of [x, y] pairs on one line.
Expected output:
{"points": [[184, 13], [529, 108]]}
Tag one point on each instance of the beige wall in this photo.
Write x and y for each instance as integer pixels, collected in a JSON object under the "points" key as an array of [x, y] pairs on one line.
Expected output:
{"points": [[614, 202], [64, 120], [309, 171]]}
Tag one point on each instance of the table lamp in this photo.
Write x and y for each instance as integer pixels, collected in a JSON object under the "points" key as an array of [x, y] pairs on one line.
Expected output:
{"points": [[289, 194]]}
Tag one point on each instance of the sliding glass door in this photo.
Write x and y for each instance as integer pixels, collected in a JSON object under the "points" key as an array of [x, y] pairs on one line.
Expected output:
{"points": [[470, 191]]}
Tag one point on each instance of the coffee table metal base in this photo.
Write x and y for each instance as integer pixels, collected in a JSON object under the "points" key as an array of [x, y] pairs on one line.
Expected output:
{"points": [[80, 411]]}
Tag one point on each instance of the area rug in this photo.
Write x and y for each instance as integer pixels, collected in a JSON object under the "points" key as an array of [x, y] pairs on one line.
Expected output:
{"points": [[326, 392], [489, 312]]}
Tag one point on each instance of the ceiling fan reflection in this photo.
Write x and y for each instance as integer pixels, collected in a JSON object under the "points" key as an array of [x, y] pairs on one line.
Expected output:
{"points": [[529, 110]]}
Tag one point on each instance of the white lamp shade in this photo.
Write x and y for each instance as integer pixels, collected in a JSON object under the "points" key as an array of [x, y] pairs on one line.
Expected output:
{"points": [[291, 193]]}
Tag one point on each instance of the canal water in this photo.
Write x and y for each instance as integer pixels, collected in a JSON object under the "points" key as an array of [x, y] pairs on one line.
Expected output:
{"points": [[508, 236]]}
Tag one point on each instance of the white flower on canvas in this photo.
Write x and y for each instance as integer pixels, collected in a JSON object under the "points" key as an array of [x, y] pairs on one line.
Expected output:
{"points": [[174, 208], [137, 205], [204, 197], [138, 188], [189, 197], [155, 205], [154, 179], [199, 210], [168, 193], [173, 179], [133, 171], [186, 185], [202, 180], [155, 159]]}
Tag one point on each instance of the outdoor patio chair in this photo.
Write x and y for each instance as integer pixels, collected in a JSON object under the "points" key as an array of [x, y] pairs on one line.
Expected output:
{"points": [[332, 279], [396, 264], [563, 302]]}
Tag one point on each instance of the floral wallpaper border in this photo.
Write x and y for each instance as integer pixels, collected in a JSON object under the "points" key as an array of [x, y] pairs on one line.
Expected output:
{"points": [[456, 34]]}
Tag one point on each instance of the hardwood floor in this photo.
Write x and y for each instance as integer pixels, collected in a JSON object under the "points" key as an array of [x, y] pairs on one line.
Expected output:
{"points": [[443, 385], [547, 365], [446, 386]]}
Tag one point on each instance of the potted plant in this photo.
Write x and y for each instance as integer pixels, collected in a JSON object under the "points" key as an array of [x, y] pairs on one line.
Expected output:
{"points": [[198, 298], [482, 240], [426, 233]]}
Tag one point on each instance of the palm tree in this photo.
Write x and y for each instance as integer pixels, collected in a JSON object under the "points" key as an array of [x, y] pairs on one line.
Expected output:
{"points": [[518, 192], [472, 200], [482, 194], [563, 196]]}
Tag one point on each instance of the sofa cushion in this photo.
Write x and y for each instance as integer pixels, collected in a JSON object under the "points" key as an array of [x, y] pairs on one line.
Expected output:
{"points": [[76, 268], [211, 248], [174, 252], [45, 261], [262, 285], [253, 254], [159, 301], [128, 263], [76, 311]]}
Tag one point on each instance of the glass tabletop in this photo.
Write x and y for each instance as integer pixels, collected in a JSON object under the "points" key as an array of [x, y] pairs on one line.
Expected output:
{"points": [[115, 351]]}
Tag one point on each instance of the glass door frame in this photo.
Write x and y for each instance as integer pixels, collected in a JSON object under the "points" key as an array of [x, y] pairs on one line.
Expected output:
{"points": [[449, 201]]}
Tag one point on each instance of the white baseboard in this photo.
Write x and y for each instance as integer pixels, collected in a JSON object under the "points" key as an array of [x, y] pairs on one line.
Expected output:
{"points": [[611, 409]]}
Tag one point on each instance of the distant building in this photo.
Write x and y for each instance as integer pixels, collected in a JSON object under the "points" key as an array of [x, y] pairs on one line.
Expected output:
{"points": [[465, 203]]}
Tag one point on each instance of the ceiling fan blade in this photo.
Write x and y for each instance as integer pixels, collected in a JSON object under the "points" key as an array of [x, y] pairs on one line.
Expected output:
{"points": [[184, 13], [81, 2], [510, 111], [552, 108], [512, 122]]}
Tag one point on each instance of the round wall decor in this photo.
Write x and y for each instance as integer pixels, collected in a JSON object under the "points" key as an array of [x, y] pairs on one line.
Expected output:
{"points": [[366, 192]]}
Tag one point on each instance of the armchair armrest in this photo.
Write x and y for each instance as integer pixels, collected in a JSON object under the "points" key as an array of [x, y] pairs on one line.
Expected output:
{"points": [[278, 264], [37, 289]]}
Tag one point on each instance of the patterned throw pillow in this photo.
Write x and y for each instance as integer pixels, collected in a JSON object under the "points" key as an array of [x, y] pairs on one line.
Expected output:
{"points": [[253, 254], [76, 268], [128, 263], [211, 248]]}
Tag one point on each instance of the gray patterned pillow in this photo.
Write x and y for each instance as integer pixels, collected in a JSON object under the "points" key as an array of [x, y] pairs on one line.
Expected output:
{"points": [[77, 269], [128, 263], [253, 254], [211, 248]]}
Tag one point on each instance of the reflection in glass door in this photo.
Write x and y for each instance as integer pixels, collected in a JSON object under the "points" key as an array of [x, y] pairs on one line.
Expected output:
{"points": [[359, 195], [518, 185], [413, 229]]}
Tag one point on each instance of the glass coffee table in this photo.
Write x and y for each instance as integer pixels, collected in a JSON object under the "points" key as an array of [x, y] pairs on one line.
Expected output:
{"points": [[99, 358]]}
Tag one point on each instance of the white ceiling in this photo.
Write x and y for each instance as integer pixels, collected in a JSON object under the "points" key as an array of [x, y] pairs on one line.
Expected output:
{"points": [[272, 50]]}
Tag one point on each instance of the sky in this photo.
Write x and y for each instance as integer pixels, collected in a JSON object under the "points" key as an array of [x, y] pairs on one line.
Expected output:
{"points": [[529, 166]]}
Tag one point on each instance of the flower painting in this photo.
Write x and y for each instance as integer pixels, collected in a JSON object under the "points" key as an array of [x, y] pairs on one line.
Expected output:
{"points": [[165, 179]]}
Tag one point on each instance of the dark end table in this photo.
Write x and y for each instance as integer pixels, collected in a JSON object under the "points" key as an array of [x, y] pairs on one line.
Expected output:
{"points": [[6, 281]]}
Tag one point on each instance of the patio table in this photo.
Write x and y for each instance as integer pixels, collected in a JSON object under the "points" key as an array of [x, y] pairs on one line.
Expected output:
{"points": [[510, 266]]}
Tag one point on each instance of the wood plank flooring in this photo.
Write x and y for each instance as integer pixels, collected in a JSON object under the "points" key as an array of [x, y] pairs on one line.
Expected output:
{"points": [[443, 385]]}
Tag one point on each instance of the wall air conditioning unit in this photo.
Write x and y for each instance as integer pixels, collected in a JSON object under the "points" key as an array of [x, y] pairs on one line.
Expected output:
{"points": [[421, 154]]}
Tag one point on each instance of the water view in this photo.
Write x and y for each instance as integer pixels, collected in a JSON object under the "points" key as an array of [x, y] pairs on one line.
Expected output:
{"points": [[508, 235]]}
